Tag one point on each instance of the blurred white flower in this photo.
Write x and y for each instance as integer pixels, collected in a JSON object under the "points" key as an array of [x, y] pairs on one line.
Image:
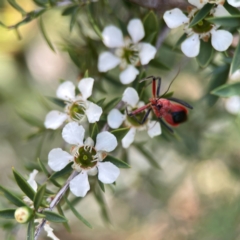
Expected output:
{"points": [[232, 105], [220, 39], [86, 158], [116, 119], [127, 52], [77, 106]]}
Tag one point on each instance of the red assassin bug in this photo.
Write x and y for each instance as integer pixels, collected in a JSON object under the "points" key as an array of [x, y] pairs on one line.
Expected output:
{"points": [[163, 108]]}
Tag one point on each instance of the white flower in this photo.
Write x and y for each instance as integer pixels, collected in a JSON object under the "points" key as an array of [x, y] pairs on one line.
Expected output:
{"points": [[232, 105], [116, 118], [127, 52], [77, 106], [234, 3], [86, 158], [220, 39]]}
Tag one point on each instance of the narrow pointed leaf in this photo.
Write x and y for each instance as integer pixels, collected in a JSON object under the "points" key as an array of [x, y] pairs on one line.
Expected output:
{"points": [[151, 27], [14, 4], [110, 105], [30, 230], [149, 157], [39, 196], [39, 215], [65, 224], [93, 23], [206, 54], [73, 18], [77, 214], [227, 90], [23, 184], [7, 213], [31, 120], [229, 21], [12, 197], [94, 131], [232, 10], [64, 171], [120, 133], [180, 40], [101, 185], [236, 60], [45, 34], [57, 101], [100, 102], [54, 217], [116, 162], [69, 10], [203, 12]]}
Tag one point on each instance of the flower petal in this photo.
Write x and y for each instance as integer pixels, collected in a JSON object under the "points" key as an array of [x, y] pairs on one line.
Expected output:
{"points": [[232, 105], [112, 37], [66, 91], [93, 112], [55, 119], [79, 185], [175, 18], [146, 52], [191, 46], [106, 141], [136, 30], [85, 87], [107, 61], [58, 159], [130, 96], [128, 75], [234, 3], [115, 118], [129, 138], [220, 11], [198, 3], [73, 133], [221, 39], [107, 172], [154, 129], [49, 231], [31, 179], [89, 142]]}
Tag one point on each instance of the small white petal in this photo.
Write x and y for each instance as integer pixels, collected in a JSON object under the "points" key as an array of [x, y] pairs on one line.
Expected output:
{"points": [[234, 3], [154, 129], [89, 142], [66, 91], [128, 75], [175, 18], [136, 30], [130, 96], [79, 185], [93, 112], [107, 172], [233, 105], [85, 87], [58, 159], [55, 119], [221, 39], [31, 179], [73, 133], [220, 11], [92, 172], [191, 46], [197, 3], [107, 61], [106, 141], [146, 52], [115, 118], [129, 138], [49, 231], [112, 37]]}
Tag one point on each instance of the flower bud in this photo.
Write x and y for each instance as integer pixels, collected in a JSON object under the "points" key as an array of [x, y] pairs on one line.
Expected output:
{"points": [[23, 214]]}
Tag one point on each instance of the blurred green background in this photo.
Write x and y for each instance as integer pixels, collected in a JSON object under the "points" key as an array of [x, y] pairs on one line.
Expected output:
{"points": [[195, 194]]}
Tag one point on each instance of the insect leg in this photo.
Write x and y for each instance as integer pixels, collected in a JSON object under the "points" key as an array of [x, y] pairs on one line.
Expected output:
{"points": [[154, 87], [158, 86], [134, 115], [180, 102], [166, 126]]}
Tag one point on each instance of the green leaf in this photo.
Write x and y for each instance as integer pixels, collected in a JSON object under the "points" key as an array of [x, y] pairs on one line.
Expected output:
{"points": [[203, 12], [101, 185], [94, 131], [62, 172], [236, 60], [39, 196], [148, 155], [116, 162], [227, 90], [57, 101], [78, 215], [100, 102], [158, 64], [206, 54], [45, 34], [69, 10], [232, 10], [31, 120], [120, 133], [229, 21], [93, 23], [41, 3], [180, 40], [23, 184], [12, 197], [73, 18], [54, 217], [30, 230], [65, 224], [110, 105], [86, 75], [151, 26], [17, 7], [39, 215], [7, 213]]}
